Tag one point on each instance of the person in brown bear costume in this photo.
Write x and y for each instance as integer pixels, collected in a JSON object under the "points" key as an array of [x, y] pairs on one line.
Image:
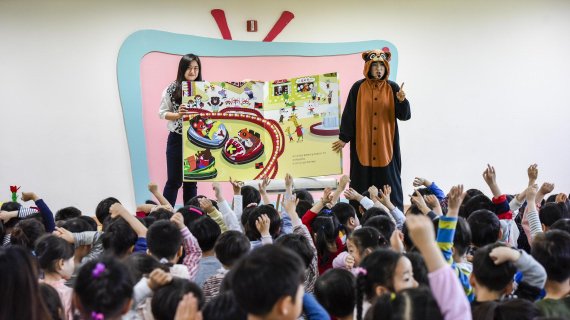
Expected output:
{"points": [[369, 124]]}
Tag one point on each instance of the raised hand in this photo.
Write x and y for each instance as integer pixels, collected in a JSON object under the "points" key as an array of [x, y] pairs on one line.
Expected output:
{"points": [[152, 187], [236, 185], [344, 180], [419, 201], [501, 255], [419, 182], [532, 173], [263, 185], [158, 278], [64, 234], [187, 308], [384, 197], [401, 95], [561, 198], [26, 196], [178, 220], [490, 177], [455, 198], [262, 224], [351, 194], [433, 202], [206, 204]]}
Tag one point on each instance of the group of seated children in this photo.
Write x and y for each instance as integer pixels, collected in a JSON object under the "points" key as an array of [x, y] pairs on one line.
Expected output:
{"points": [[460, 255]]}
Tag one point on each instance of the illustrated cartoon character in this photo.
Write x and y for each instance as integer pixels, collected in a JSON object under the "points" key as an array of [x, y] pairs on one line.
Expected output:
{"points": [[223, 93], [298, 127], [203, 158], [245, 103], [313, 93], [215, 103], [249, 93], [289, 134], [197, 102], [248, 138], [282, 112], [202, 126]]}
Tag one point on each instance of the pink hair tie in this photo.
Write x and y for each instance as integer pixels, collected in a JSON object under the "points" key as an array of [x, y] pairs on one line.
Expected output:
{"points": [[196, 211], [97, 316], [359, 271]]}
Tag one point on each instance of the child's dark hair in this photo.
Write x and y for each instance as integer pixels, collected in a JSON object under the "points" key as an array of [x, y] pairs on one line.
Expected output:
{"points": [[11, 206], [275, 222], [266, 275], [67, 213], [552, 250], [161, 214], [373, 212], [298, 244], [245, 217], [195, 201], [415, 303], [462, 238], [19, 274], [343, 212], [368, 238], [302, 207], [562, 224], [487, 273], [206, 231], [166, 298], [50, 249], [552, 212], [103, 287], [92, 223], [336, 292], [76, 225], [231, 246], [520, 309], [384, 225], [419, 267], [475, 203], [190, 214], [250, 195], [163, 239], [140, 264], [303, 194], [326, 228], [102, 210], [380, 266], [485, 227], [223, 307], [27, 232], [183, 65], [118, 237], [52, 302]]}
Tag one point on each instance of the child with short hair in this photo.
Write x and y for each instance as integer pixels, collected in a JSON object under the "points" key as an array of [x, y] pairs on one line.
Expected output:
{"points": [[167, 297], [206, 231], [335, 291], [229, 248], [268, 283], [494, 267], [55, 258], [164, 241], [103, 289], [552, 250]]}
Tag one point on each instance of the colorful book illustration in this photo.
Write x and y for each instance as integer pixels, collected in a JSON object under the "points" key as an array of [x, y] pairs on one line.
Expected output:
{"points": [[248, 130]]}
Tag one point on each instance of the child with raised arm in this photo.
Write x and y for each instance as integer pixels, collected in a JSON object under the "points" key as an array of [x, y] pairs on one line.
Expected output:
{"points": [[324, 228], [552, 250]]}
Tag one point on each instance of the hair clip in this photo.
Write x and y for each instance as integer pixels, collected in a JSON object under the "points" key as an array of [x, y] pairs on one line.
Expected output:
{"points": [[392, 296], [327, 211], [360, 271], [196, 211], [97, 316], [98, 270], [253, 204]]}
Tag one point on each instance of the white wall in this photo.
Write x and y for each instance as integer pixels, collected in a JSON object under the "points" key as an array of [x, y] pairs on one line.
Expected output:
{"points": [[488, 82]]}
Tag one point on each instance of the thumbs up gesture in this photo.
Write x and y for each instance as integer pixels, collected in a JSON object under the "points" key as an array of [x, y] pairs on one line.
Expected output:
{"points": [[401, 95]]}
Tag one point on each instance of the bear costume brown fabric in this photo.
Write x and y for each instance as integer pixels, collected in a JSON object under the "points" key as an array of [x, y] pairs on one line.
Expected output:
{"points": [[369, 124]]}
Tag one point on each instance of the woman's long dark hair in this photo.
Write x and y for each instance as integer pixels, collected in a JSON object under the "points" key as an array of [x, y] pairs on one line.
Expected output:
{"points": [[182, 67]]}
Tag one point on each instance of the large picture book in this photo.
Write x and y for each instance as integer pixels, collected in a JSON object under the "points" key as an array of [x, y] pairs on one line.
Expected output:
{"points": [[249, 130]]}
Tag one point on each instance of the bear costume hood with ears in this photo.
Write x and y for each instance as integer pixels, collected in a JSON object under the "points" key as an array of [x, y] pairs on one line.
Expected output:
{"points": [[376, 55]]}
